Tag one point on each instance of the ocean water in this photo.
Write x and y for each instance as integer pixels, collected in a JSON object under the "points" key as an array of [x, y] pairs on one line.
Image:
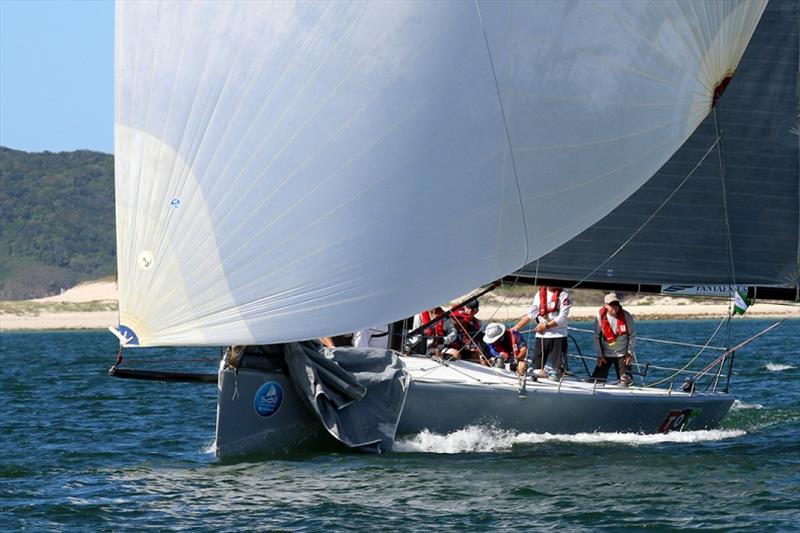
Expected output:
{"points": [[84, 451]]}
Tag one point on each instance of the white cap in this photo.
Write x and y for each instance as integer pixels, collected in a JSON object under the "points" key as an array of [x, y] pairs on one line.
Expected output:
{"points": [[610, 298], [493, 332]]}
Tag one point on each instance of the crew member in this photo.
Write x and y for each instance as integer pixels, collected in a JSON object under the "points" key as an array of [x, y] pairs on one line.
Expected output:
{"points": [[374, 337], [550, 310], [437, 335], [468, 344], [506, 346], [614, 340]]}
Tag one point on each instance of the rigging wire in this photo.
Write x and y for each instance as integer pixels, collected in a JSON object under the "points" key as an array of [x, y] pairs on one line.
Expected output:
{"points": [[693, 359], [651, 217], [731, 267], [662, 341], [643, 225], [724, 198], [731, 264], [649, 366], [726, 320]]}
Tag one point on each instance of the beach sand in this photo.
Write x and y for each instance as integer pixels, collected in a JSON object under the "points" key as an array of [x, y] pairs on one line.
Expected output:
{"points": [[92, 305], [86, 292], [653, 307]]}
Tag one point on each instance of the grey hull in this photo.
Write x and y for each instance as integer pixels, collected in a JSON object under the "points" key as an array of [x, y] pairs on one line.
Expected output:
{"points": [[444, 408], [241, 430], [441, 406]]}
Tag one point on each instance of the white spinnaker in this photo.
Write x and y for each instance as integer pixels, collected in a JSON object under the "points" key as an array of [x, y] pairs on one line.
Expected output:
{"points": [[291, 170]]}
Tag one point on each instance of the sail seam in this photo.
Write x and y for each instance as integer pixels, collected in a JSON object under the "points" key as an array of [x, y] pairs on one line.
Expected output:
{"points": [[508, 134]]}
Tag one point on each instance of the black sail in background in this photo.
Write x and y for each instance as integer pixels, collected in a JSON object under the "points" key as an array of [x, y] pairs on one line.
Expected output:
{"points": [[687, 242]]}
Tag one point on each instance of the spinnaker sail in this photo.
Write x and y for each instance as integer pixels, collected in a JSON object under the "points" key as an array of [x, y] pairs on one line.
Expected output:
{"points": [[288, 170]]}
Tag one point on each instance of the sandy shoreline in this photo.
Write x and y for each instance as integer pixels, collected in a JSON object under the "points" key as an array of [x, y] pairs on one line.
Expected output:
{"points": [[58, 321], [93, 306], [660, 311]]}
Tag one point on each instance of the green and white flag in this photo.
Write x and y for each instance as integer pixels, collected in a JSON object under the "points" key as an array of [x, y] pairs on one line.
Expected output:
{"points": [[740, 301]]}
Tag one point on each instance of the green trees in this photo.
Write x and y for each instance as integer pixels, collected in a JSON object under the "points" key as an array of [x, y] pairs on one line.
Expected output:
{"points": [[56, 221]]}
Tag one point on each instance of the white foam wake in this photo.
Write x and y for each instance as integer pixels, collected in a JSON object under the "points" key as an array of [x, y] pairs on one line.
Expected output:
{"points": [[738, 404], [485, 439], [778, 367], [210, 447]]}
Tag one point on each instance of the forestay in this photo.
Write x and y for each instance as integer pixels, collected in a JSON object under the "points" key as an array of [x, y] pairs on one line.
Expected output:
{"points": [[290, 170]]}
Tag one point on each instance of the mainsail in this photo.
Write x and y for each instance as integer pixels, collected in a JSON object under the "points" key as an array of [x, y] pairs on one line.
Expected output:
{"points": [[736, 219], [291, 170]]}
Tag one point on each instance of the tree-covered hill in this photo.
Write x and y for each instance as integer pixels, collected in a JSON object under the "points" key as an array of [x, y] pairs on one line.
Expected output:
{"points": [[56, 221]]}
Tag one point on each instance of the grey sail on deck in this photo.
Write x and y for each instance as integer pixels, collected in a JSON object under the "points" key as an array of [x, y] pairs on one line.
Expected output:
{"points": [[356, 393]]}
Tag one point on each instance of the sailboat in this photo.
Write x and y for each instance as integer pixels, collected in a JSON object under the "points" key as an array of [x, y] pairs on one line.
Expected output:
{"points": [[289, 171]]}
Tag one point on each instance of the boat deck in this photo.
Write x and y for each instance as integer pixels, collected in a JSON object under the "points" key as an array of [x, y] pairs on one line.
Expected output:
{"points": [[424, 369]]}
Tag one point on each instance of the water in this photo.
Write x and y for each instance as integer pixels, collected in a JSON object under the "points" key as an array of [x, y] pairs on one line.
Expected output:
{"points": [[83, 451]]}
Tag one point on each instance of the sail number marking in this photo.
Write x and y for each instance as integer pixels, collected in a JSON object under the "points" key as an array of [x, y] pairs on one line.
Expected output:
{"points": [[677, 420]]}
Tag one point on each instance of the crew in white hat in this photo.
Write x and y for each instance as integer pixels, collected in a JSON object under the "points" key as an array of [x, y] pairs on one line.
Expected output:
{"points": [[506, 346]]}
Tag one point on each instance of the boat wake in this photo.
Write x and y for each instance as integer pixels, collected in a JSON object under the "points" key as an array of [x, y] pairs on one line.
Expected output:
{"points": [[478, 439], [738, 404], [778, 367], [210, 447]]}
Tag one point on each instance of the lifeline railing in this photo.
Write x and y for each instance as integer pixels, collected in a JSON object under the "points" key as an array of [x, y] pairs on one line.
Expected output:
{"points": [[732, 353], [718, 363]]}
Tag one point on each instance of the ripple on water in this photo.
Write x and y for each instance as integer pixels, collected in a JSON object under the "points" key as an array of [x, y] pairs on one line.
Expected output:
{"points": [[83, 451]]}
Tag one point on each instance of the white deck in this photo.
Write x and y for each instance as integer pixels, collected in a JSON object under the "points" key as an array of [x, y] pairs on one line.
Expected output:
{"points": [[424, 369]]}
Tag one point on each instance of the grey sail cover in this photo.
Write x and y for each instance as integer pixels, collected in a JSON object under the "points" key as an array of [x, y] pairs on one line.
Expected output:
{"points": [[357, 393], [687, 241]]}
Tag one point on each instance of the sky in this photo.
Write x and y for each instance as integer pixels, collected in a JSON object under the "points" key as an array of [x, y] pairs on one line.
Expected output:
{"points": [[57, 75]]}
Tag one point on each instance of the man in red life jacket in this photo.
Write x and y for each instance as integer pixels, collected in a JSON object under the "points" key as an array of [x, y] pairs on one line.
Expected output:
{"points": [[437, 335], [614, 339], [468, 344], [506, 346], [550, 310]]}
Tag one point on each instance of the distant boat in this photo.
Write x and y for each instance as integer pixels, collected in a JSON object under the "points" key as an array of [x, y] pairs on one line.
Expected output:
{"points": [[287, 171]]}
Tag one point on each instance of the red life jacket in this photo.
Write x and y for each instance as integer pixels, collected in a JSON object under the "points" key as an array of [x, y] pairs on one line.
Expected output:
{"points": [[502, 343], [438, 328], [545, 307], [467, 326], [608, 333]]}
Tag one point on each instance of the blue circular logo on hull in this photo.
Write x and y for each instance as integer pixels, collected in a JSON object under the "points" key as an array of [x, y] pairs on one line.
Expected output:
{"points": [[268, 398]]}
